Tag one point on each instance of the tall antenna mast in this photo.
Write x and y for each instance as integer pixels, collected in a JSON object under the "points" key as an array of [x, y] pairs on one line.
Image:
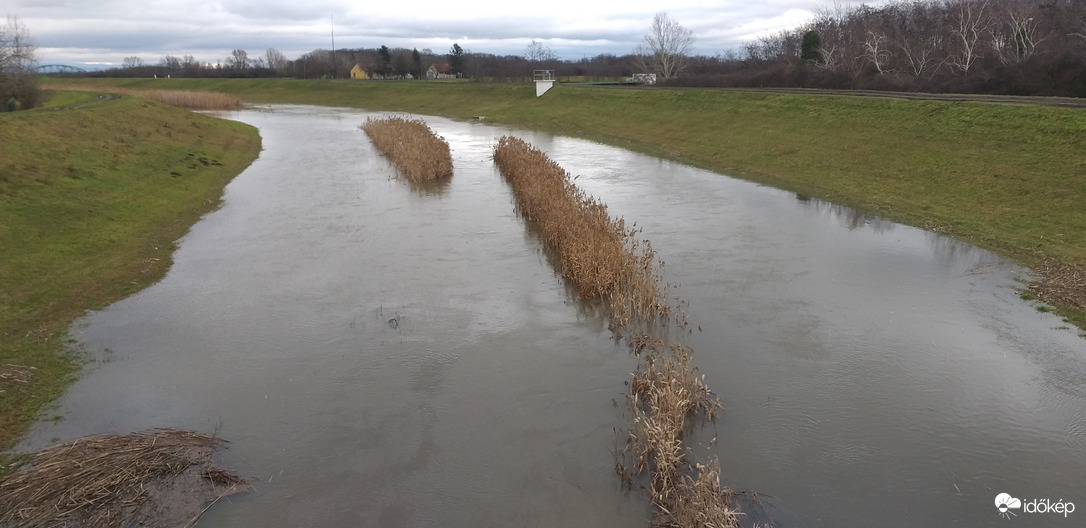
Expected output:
{"points": [[333, 16]]}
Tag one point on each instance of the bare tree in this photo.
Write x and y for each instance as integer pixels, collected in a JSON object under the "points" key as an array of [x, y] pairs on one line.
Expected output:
{"points": [[969, 21], [16, 47], [841, 50], [830, 57], [170, 62], [665, 48], [276, 61], [1075, 15], [917, 36], [784, 46], [133, 62], [875, 50], [1017, 38], [239, 60], [538, 52], [190, 66], [17, 79], [1080, 32]]}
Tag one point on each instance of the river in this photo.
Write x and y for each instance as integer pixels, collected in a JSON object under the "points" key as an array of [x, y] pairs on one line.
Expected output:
{"points": [[380, 354]]}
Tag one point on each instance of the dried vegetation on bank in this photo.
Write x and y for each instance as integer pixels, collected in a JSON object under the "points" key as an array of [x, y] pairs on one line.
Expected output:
{"points": [[1061, 284], [118, 480]]}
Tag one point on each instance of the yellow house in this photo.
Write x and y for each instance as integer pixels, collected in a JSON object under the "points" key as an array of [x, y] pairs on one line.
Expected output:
{"points": [[358, 73]]}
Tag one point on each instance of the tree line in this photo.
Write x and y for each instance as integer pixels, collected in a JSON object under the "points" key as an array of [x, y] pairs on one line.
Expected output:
{"points": [[382, 62], [1019, 47], [664, 50], [1015, 47]]}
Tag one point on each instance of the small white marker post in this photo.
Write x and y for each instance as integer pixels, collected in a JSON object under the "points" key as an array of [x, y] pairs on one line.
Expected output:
{"points": [[544, 80]]}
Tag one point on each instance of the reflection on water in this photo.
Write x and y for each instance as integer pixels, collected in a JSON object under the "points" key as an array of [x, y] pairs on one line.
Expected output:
{"points": [[430, 187], [382, 355], [849, 217]]}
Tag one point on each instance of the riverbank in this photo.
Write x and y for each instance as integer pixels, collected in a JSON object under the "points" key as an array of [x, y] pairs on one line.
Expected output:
{"points": [[92, 200], [1009, 178]]}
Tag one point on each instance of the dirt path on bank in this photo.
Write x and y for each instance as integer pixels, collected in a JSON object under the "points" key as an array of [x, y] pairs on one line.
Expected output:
{"points": [[1063, 102]]}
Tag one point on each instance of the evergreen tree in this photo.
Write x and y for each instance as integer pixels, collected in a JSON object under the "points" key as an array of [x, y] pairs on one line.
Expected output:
{"points": [[812, 43], [384, 56], [456, 59]]}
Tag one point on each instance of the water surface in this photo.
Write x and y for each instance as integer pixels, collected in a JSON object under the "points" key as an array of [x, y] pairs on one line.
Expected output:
{"points": [[385, 355]]}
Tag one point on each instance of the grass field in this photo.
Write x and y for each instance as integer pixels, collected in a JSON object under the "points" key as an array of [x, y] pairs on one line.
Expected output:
{"points": [[91, 201], [65, 99]]}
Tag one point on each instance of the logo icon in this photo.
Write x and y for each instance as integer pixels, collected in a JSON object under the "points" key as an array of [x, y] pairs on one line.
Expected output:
{"points": [[1006, 503]]}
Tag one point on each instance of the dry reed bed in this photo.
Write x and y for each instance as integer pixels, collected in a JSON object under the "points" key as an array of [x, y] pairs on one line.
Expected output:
{"points": [[192, 100], [419, 153], [606, 260], [109, 480], [666, 395], [187, 99], [598, 254]]}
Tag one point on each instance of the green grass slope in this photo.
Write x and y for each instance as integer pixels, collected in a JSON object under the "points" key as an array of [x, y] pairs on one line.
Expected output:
{"points": [[91, 202]]}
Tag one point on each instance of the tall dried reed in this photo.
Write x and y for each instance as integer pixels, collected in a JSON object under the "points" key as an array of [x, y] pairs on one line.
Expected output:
{"points": [[188, 99], [664, 393], [419, 153], [598, 254], [193, 100], [607, 260]]}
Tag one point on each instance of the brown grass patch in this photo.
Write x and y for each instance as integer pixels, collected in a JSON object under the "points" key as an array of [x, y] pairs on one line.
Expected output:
{"points": [[418, 153], [606, 260], [115, 480]]}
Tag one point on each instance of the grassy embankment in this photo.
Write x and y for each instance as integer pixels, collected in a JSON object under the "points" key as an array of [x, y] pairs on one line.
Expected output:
{"points": [[91, 202], [1008, 178]]}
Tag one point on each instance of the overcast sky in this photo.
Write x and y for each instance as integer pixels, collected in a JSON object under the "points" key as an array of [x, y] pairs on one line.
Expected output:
{"points": [[82, 32]]}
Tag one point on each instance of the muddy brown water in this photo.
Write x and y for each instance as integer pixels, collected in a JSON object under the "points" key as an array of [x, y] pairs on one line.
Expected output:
{"points": [[384, 355]]}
